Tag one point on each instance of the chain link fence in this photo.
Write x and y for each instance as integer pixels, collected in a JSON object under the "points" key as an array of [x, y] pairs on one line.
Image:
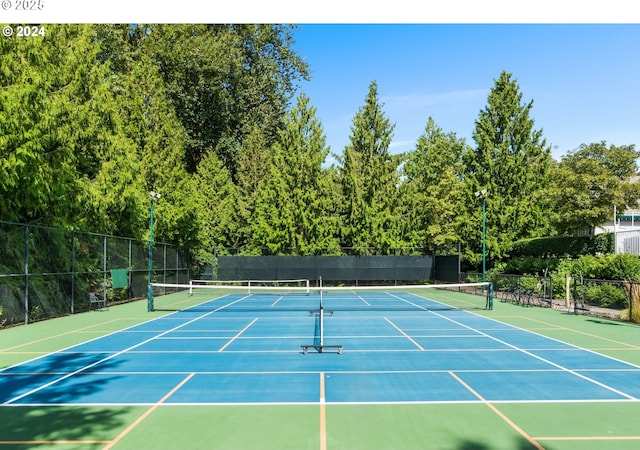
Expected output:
{"points": [[576, 293], [529, 290], [611, 294], [48, 272]]}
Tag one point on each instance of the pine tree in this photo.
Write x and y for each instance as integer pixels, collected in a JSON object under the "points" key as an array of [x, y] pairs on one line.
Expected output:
{"points": [[511, 161], [253, 171], [433, 189], [369, 180], [151, 123], [216, 198], [65, 158], [293, 215]]}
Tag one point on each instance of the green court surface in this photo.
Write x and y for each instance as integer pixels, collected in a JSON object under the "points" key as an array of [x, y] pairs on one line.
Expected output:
{"points": [[475, 425]]}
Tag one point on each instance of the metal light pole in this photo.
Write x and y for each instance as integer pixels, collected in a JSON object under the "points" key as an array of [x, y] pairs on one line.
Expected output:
{"points": [[153, 196], [483, 194]]}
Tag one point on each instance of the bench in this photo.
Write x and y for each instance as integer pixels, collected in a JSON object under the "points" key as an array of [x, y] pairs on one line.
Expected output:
{"points": [[97, 301]]}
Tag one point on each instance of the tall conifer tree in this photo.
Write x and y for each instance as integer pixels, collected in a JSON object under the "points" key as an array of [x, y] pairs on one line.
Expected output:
{"points": [[511, 161], [64, 156], [216, 199], [294, 214], [253, 172], [369, 178], [433, 189]]}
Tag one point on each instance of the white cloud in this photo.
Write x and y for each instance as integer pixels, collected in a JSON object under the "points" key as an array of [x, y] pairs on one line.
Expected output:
{"points": [[402, 145], [414, 102]]}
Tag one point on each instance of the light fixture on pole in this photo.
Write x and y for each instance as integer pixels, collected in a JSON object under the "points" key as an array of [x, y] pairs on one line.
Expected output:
{"points": [[153, 196], [483, 194]]}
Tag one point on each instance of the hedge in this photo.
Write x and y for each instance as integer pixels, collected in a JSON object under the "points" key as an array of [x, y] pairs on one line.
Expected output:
{"points": [[564, 246]]}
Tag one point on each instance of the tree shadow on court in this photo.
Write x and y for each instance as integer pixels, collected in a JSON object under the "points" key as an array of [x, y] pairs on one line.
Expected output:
{"points": [[519, 444], [605, 322], [68, 423], [51, 416], [36, 374]]}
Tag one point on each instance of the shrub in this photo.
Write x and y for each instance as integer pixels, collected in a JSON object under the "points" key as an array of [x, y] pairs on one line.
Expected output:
{"points": [[621, 267], [529, 282], [531, 264], [607, 267], [563, 245], [606, 295]]}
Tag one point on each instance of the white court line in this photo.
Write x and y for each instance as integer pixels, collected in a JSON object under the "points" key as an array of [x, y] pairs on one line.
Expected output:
{"points": [[423, 308], [404, 334], [528, 353], [308, 372], [237, 335], [363, 300]]}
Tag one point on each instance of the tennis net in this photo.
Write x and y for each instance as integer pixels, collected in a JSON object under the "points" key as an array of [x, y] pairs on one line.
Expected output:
{"points": [[299, 295], [249, 284]]}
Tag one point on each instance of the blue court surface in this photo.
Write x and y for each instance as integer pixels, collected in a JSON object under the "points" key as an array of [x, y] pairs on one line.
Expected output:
{"points": [[249, 350]]}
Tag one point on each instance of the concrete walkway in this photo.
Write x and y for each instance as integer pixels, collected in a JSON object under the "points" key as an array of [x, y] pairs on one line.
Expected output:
{"points": [[589, 311]]}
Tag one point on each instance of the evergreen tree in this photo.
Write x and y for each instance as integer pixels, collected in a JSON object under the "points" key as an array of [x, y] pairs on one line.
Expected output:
{"points": [[253, 171], [159, 137], [433, 189], [369, 180], [65, 158], [511, 161], [293, 214], [216, 198], [120, 45]]}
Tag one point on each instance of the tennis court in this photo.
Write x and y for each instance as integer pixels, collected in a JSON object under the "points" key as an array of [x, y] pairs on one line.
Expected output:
{"points": [[367, 368]]}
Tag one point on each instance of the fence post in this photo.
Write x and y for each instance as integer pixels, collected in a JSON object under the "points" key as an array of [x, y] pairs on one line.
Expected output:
{"points": [[26, 274], [632, 288], [73, 270], [567, 291], [129, 269], [164, 263], [104, 267]]}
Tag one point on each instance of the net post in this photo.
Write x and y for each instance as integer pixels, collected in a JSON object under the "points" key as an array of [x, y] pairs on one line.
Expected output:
{"points": [[320, 290], [490, 298], [321, 312], [321, 318]]}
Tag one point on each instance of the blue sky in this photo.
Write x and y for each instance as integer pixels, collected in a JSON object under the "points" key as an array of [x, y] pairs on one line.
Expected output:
{"points": [[584, 79]]}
